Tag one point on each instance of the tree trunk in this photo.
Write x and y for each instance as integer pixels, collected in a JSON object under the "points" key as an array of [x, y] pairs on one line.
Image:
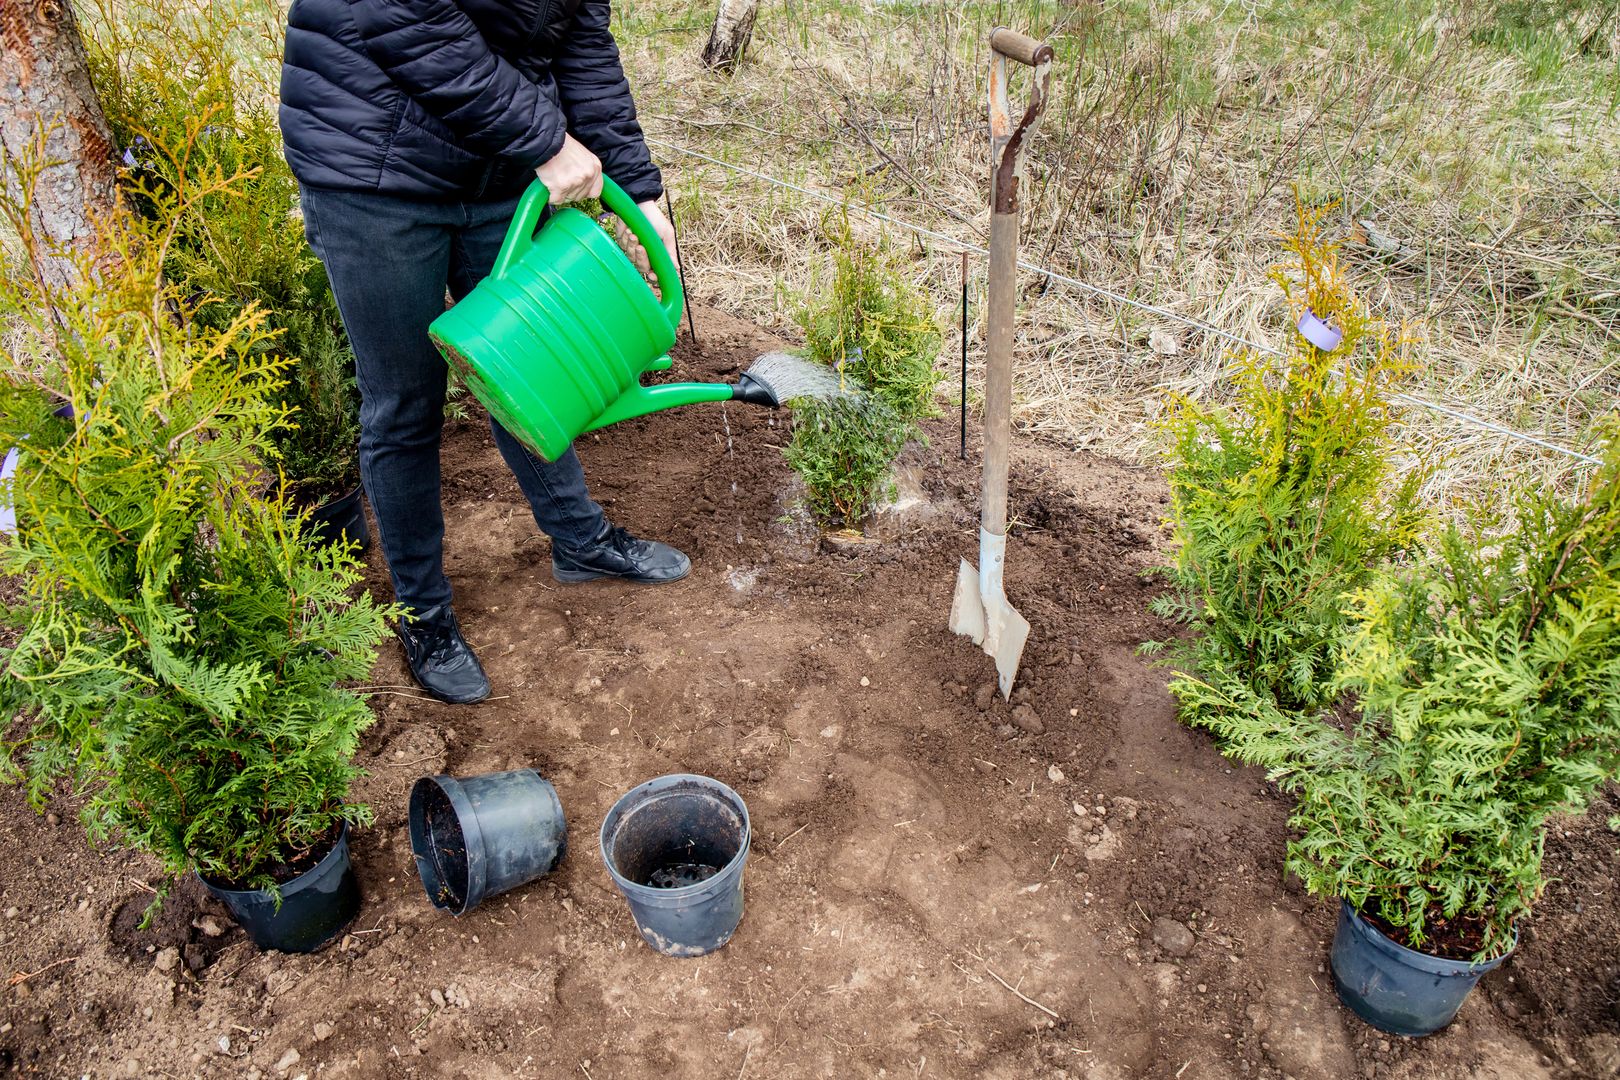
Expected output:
{"points": [[45, 88], [728, 38]]}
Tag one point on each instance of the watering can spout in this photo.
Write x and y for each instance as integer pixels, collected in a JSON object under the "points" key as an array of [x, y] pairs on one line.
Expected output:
{"points": [[641, 400], [772, 381]]}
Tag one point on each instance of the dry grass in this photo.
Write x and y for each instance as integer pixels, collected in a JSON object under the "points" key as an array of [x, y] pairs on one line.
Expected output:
{"points": [[1483, 156], [1477, 141]]}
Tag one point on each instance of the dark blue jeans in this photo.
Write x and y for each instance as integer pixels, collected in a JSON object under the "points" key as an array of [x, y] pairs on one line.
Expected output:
{"points": [[389, 261]]}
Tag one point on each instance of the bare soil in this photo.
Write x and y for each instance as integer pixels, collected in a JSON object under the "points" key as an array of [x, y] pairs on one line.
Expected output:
{"points": [[942, 883]]}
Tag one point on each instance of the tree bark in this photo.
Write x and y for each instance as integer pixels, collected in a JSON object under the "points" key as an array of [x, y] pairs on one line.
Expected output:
{"points": [[48, 103], [728, 37]]}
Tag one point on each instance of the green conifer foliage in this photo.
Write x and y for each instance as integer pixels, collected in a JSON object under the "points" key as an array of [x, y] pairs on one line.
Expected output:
{"points": [[875, 326], [843, 448], [1488, 678], [243, 244], [179, 648], [877, 331], [1282, 503]]}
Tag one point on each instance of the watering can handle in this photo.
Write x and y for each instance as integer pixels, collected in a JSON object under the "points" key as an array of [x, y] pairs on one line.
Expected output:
{"points": [[520, 237]]}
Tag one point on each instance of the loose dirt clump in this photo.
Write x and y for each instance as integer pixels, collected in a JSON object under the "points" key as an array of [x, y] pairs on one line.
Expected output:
{"points": [[942, 883]]}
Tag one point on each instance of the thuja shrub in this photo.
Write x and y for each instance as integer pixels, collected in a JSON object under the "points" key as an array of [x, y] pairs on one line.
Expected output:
{"points": [[877, 330], [1283, 502], [873, 325], [177, 84], [1488, 678], [844, 449], [179, 651]]}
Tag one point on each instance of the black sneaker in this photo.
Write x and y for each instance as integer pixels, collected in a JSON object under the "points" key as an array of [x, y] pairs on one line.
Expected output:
{"points": [[440, 657], [618, 554]]}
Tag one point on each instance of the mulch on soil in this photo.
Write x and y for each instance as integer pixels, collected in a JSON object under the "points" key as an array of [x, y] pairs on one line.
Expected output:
{"points": [[942, 883]]}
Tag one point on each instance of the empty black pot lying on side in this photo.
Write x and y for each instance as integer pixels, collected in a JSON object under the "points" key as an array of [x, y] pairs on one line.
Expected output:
{"points": [[485, 835]]}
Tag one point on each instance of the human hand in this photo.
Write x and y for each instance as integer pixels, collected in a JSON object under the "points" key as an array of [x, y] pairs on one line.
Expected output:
{"points": [[573, 173], [661, 226]]}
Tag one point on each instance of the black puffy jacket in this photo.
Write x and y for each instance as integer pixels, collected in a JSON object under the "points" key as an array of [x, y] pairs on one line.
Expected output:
{"points": [[454, 99]]}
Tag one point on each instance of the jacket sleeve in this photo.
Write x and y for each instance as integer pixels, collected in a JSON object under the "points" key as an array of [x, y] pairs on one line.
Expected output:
{"points": [[433, 51], [596, 97]]}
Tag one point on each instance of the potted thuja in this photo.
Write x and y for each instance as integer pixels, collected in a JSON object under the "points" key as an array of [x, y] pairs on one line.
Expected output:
{"points": [[1488, 682], [180, 649]]}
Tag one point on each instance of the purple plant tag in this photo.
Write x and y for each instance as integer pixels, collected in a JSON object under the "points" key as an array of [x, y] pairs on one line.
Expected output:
{"points": [[8, 470], [8, 509], [1323, 335]]}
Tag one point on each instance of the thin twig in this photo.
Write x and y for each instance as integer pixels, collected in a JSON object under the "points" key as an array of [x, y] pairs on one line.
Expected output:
{"points": [[431, 1013], [1020, 994], [791, 835], [694, 122], [23, 976]]}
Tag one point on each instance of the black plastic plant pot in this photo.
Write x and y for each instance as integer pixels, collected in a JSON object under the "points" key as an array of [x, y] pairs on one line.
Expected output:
{"points": [[1396, 989], [485, 835], [315, 907], [676, 847], [340, 521]]}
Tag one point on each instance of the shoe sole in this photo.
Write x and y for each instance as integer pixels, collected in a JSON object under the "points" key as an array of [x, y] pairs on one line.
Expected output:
{"points": [[577, 577], [453, 700]]}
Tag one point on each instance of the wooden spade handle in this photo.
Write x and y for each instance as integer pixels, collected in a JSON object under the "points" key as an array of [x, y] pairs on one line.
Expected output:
{"points": [[1019, 47]]}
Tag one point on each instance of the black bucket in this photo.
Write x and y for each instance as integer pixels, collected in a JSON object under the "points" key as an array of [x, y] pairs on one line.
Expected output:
{"points": [[316, 905], [341, 521], [482, 836], [676, 847], [1396, 989]]}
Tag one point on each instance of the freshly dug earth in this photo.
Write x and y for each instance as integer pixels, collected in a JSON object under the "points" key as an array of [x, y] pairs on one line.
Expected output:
{"points": [[942, 883]]}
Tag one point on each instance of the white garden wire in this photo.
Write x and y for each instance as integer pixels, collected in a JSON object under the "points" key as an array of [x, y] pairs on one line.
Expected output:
{"points": [[1095, 290]]}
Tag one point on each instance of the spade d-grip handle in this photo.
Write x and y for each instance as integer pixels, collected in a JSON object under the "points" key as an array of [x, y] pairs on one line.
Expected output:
{"points": [[1008, 141]]}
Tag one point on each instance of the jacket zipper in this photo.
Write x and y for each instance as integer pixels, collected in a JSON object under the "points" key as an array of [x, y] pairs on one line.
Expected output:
{"points": [[540, 23]]}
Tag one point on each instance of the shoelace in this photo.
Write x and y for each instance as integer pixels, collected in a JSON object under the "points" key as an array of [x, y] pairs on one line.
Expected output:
{"points": [[620, 539], [437, 637]]}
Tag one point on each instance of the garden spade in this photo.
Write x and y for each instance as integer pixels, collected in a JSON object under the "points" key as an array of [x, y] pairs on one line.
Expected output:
{"points": [[980, 609]]}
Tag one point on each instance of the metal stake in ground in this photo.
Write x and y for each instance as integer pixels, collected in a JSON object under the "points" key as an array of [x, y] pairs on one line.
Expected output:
{"points": [[979, 608], [964, 354], [680, 268]]}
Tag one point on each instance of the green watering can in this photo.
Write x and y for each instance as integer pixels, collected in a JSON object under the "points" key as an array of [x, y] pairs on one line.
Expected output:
{"points": [[555, 340]]}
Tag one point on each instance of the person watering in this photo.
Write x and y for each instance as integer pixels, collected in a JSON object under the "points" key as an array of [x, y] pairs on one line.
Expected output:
{"points": [[413, 126]]}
